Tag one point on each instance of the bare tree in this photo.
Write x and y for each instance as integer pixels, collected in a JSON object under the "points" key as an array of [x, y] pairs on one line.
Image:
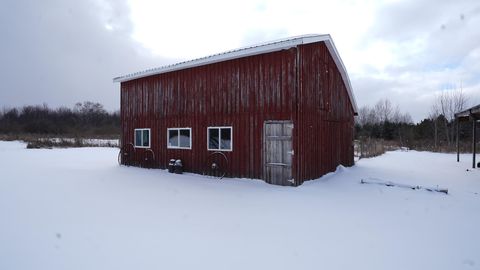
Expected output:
{"points": [[366, 115], [434, 115], [384, 110], [447, 103], [406, 118], [398, 117]]}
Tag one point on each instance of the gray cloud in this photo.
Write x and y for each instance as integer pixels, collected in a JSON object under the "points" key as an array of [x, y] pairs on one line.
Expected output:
{"points": [[443, 32], [404, 20], [415, 100], [61, 52], [436, 47]]}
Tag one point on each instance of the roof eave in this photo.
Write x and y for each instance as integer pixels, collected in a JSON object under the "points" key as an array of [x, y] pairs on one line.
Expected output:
{"points": [[225, 56]]}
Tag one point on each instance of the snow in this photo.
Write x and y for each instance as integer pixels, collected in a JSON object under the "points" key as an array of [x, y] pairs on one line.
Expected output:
{"points": [[77, 209]]}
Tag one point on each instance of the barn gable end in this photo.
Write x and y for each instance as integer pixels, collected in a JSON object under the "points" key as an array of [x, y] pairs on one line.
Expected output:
{"points": [[298, 80]]}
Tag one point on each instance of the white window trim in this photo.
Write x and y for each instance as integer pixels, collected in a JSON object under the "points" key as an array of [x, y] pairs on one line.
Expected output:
{"points": [[179, 147], [135, 138], [220, 138]]}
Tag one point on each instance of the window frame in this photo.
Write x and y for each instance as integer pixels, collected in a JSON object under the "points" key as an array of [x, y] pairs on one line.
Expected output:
{"points": [[179, 147], [135, 137], [219, 128]]}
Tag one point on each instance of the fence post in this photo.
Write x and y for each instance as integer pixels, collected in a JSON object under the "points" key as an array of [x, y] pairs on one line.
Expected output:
{"points": [[458, 145], [474, 140]]}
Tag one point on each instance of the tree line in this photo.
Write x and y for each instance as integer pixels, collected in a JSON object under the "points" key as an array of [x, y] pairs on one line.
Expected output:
{"points": [[383, 121], [437, 132], [84, 119]]}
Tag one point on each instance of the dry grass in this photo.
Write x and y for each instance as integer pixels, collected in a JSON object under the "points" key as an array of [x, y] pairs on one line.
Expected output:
{"points": [[37, 141]]}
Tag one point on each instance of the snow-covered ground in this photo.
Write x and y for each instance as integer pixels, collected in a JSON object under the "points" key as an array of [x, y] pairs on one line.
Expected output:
{"points": [[77, 209]]}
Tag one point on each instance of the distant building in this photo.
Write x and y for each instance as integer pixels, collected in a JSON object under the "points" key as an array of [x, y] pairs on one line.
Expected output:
{"points": [[282, 111], [471, 114]]}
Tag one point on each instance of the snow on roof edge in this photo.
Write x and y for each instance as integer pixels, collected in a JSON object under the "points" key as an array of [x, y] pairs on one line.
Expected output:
{"points": [[262, 48]]}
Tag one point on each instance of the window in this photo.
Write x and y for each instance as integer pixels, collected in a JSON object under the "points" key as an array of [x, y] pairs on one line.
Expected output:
{"points": [[179, 138], [142, 137], [220, 138]]}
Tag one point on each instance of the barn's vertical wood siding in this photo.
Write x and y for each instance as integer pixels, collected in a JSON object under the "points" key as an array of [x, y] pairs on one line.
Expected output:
{"points": [[243, 93], [324, 126]]}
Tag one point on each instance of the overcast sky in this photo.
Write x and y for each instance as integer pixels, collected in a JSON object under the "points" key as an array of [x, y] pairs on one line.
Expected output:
{"points": [[61, 52]]}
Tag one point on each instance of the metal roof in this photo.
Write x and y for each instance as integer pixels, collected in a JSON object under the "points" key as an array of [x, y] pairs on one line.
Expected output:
{"points": [[271, 46], [471, 112]]}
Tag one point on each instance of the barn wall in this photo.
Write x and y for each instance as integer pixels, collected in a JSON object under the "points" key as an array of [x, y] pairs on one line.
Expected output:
{"points": [[242, 93], [324, 124]]}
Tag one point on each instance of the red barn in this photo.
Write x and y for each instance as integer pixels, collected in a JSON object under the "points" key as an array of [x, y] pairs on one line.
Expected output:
{"points": [[282, 111]]}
